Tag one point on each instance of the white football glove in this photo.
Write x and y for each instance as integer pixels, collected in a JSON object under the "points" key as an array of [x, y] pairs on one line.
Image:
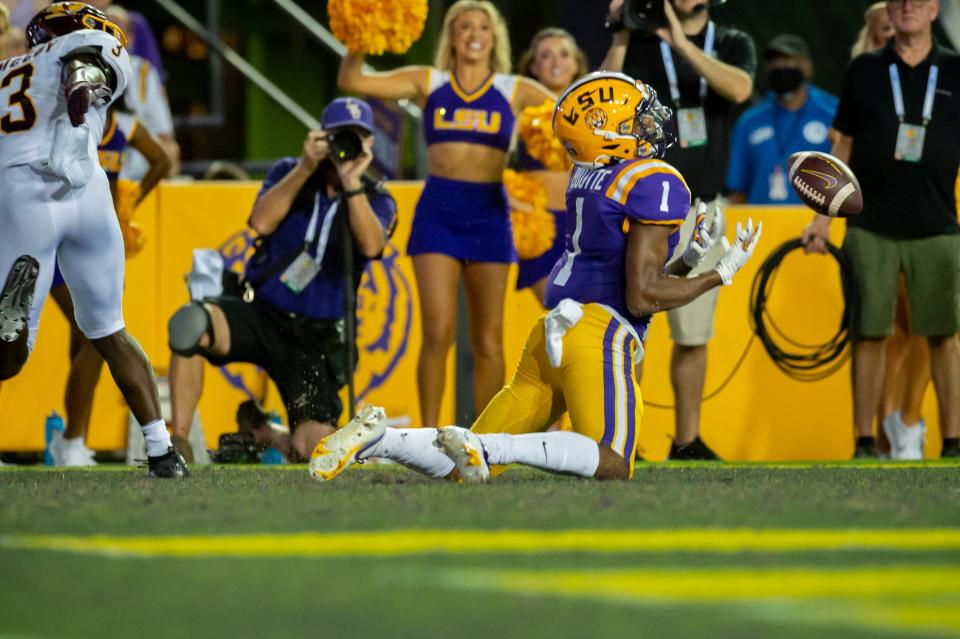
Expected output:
{"points": [[703, 238], [738, 254]]}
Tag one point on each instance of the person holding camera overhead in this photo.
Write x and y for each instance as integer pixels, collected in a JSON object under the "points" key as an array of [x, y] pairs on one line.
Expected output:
{"points": [[461, 226], [290, 319], [703, 71]]}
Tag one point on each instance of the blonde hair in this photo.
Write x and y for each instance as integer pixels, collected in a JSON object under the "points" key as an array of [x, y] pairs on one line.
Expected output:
{"points": [[864, 42], [4, 27], [499, 56], [526, 60]]}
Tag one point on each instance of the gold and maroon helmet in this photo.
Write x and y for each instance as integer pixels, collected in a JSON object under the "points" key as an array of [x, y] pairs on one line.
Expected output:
{"points": [[61, 18], [605, 117]]}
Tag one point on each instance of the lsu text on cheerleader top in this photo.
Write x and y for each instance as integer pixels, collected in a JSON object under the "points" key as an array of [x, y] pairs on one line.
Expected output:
{"points": [[483, 116]]}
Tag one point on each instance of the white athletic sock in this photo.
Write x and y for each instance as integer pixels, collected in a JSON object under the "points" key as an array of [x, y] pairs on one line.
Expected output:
{"points": [[74, 442], [157, 438], [412, 447], [558, 452]]}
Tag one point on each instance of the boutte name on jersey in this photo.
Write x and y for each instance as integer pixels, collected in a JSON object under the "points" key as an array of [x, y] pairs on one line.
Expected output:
{"points": [[588, 179]]}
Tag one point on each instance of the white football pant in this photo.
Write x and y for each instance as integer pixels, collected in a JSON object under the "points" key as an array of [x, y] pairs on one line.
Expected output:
{"points": [[40, 215]]}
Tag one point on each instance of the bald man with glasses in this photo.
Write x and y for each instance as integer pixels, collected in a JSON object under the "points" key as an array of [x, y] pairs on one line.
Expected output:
{"points": [[899, 126]]}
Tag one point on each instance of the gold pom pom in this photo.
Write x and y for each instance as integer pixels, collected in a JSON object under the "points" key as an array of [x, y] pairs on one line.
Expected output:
{"points": [[536, 131], [127, 195], [376, 26], [534, 227]]}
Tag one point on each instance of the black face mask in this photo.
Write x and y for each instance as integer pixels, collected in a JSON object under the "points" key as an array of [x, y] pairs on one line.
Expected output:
{"points": [[785, 80]]}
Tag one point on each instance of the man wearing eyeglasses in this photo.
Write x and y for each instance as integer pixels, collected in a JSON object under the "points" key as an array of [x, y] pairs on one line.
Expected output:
{"points": [[899, 126]]}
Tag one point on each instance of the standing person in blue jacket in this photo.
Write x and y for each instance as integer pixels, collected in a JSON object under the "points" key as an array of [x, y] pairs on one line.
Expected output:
{"points": [[794, 116], [291, 319], [461, 226]]}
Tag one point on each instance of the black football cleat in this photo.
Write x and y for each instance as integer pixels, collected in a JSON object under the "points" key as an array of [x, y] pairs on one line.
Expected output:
{"points": [[950, 451], [695, 450], [17, 297], [170, 465], [866, 448]]}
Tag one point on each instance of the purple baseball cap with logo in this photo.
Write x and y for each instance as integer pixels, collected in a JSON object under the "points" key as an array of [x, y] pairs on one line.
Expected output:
{"points": [[347, 112]]}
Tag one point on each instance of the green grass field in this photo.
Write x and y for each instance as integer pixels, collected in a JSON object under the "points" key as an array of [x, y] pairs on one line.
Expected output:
{"points": [[683, 550]]}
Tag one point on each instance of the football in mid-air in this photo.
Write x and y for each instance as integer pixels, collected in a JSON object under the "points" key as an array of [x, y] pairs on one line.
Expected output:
{"points": [[825, 184]]}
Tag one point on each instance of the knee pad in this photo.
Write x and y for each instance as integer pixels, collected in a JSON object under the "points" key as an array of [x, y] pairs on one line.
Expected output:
{"points": [[187, 326]]}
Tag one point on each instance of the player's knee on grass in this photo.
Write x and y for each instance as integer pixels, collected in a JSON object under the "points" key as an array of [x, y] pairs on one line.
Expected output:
{"points": [[307, 435], [612, 466]]}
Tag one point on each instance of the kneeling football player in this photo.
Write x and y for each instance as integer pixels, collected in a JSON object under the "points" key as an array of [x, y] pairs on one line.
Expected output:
{"points": [[625, 207]]}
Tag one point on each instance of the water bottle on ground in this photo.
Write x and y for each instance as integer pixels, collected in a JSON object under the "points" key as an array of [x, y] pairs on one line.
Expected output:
{"points": [[54, 423]]}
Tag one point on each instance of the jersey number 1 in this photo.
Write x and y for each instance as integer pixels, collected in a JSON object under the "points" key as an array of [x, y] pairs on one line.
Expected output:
{"points": [[20, 100]]}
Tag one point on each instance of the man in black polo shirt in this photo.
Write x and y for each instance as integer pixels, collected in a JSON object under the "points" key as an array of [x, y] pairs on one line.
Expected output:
{"points": [[703, 71], [899, 125]]}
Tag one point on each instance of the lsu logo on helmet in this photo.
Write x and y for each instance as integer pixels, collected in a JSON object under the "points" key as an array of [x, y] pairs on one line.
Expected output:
{"points": [[605, 117]]}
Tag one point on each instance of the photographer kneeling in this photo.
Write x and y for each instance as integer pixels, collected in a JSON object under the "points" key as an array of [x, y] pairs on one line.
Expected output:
{"points": [[290, 319]]}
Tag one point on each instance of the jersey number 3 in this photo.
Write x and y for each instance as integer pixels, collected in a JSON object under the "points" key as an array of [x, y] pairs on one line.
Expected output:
{"points": [[19, 99]]}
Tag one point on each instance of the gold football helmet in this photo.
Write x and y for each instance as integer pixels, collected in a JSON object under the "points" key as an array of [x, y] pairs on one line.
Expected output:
{"points": [[605, 117], [61, 18]]}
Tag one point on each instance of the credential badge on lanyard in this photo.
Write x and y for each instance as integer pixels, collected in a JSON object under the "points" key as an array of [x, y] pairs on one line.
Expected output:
{"points": [[691, 123], [910, 137], [305, 268]]}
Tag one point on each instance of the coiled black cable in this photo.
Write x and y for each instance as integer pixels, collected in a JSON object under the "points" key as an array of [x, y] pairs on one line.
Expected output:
{"points": [[811, 362], [804, 362]]}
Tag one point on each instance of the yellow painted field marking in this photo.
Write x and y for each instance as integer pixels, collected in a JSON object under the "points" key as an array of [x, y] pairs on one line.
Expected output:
{"points": [[930, 465], [919, 598], [415, 542], [729, 584], [897, 596]]}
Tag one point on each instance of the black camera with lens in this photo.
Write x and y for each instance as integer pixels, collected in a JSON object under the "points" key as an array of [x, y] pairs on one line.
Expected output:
{"points": [[236, 448], [649, 15], [345, 145], [644, 15]]}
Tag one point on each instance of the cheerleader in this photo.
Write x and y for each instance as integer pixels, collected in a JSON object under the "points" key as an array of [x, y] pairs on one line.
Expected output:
{"points": [[461, 226]]}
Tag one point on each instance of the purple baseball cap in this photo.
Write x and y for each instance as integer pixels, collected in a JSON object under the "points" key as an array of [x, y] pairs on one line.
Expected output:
{"points": [[347, 112]]}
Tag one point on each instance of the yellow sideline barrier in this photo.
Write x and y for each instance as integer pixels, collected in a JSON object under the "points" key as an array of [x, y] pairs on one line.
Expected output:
{"points": [[760, 415]]}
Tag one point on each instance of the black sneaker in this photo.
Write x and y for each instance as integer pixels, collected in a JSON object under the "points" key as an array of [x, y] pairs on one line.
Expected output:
{"points": [[950, 451], [692, 451], [866, 448], [168, 465], [17, 297]]}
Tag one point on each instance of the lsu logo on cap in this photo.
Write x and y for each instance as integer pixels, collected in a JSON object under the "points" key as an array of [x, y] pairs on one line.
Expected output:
{"points": [[354, 109]]}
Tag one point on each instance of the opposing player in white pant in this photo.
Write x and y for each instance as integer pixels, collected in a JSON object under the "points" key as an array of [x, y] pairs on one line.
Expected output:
{"points": [[624, 207], [55, 203]]}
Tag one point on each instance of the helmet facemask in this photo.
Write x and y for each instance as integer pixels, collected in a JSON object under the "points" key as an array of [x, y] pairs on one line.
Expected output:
{"points": [[650, 127]]}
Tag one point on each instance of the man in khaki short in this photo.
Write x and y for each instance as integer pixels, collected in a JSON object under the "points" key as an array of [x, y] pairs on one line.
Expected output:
{"points": [[703, 71], [897, 125]]}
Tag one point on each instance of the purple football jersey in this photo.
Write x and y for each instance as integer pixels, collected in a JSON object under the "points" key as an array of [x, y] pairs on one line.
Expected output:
{"points": [[599, 203]]}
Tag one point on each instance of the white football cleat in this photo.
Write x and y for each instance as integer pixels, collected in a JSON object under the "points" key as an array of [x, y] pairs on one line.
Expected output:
{"points": [[70, 453], [906, 442], [465, 449], [334, 453]]}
